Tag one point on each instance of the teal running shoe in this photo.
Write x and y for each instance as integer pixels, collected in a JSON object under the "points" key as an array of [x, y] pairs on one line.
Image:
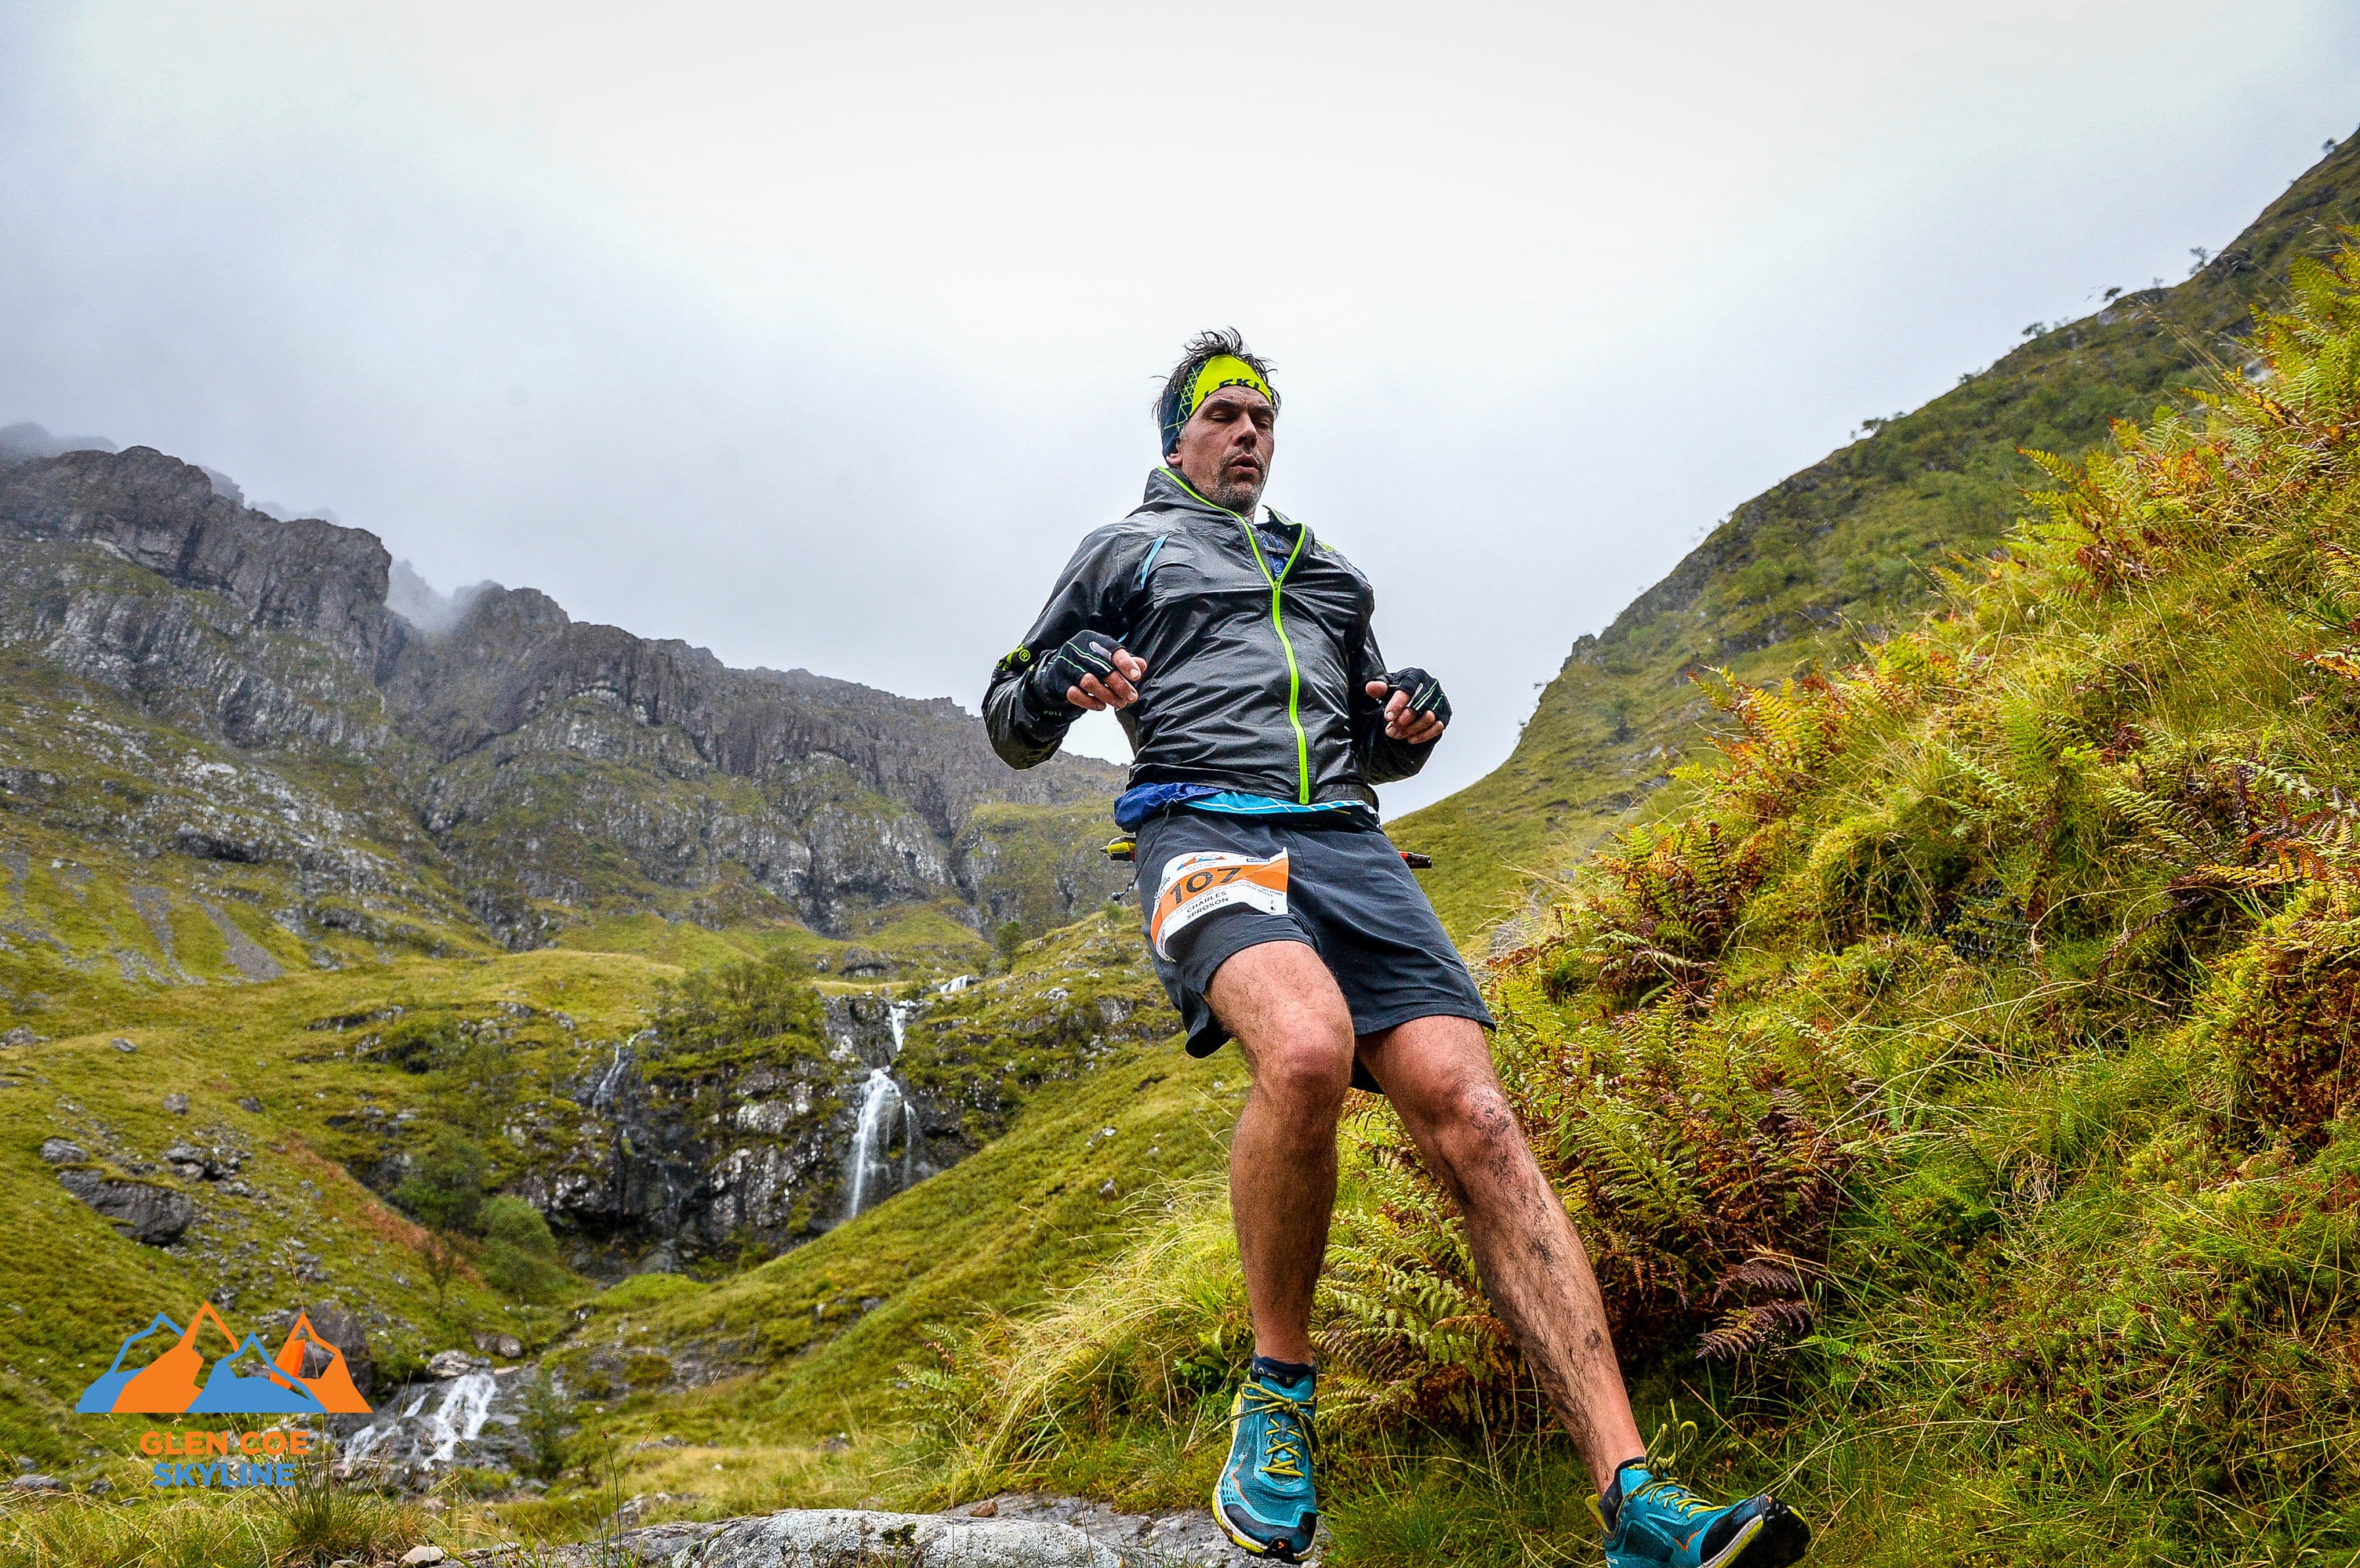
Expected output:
{"points": [[1658, 1523], [1263, 1501]]}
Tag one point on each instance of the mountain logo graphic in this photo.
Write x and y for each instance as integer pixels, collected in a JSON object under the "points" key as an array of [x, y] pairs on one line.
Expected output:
{"points": [[245, 1378]]}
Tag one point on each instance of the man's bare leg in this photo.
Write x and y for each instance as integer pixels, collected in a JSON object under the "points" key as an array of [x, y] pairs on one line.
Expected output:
{"points": [[1437, 1074], [1282, 1006]]}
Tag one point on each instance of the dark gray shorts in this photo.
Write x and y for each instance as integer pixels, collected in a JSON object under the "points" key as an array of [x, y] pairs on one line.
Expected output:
{"points": [[1347, 896]]}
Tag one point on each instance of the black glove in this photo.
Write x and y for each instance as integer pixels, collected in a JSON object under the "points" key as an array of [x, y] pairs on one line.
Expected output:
{"points": [[1424, 690], [1084, 653]]}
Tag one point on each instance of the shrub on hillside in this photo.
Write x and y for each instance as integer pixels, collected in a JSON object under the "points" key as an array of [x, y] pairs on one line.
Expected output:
{"points": [[740, 1008], [445, 1188], [2289, 1022], [519, 1254], [1704, 1166]]}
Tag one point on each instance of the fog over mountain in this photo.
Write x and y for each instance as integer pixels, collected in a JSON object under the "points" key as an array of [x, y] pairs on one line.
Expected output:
{"points": [[818, 338]]}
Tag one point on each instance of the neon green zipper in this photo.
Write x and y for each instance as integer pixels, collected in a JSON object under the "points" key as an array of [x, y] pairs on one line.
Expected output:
{"points": [[1278, 623]]}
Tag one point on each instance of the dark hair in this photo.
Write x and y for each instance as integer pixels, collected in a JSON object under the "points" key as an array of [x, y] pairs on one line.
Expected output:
{"points": [[1204, 346]]}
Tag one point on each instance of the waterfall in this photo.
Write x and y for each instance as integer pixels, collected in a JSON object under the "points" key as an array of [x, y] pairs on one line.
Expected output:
{"points": [[914, 1138], [602, 1092], [879, 1101], [880, 1098], [418, 1436], [461, 1414]]}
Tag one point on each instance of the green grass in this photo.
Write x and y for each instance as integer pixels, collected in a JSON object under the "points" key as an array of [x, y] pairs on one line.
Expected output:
{"points": [[314, 1528], [220, 1045], [909, 941]]}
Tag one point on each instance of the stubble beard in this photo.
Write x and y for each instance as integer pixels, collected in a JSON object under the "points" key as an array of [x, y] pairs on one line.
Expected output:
{"points": [[1240, 494]]}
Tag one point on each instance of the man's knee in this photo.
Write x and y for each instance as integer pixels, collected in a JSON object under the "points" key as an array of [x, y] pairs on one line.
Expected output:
{"points": [[1305, 1070], [1477, 1126]]}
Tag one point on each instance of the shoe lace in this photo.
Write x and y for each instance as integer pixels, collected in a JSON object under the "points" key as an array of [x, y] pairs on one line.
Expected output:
{"points": [[1285, 1436], [1670, 1495]]}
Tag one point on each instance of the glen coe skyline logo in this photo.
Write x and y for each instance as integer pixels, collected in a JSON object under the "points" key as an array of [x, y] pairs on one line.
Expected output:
{"points": [[308, 1377]]}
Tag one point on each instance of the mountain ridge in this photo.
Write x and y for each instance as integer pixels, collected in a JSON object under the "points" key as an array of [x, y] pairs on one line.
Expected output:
{"points": [[543, 768], [1828, 559]]}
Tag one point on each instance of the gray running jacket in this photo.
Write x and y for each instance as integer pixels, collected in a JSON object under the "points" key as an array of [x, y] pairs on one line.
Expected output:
{"points": [[1255, 665]]}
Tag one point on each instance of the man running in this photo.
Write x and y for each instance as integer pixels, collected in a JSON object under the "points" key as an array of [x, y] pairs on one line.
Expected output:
{"points": [[1236, 650]]}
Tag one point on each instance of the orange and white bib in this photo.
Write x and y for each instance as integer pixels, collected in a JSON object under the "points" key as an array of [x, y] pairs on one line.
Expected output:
{"points": [[1204, 882]]}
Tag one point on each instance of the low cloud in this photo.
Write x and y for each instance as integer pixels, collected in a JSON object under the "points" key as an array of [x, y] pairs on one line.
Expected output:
{"points": [[25, 440]]}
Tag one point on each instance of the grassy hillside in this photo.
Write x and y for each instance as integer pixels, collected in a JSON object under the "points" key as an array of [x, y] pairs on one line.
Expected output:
{"points": [[258, 1084], [1955, 1092], [789, 1377], [1841, 552]]}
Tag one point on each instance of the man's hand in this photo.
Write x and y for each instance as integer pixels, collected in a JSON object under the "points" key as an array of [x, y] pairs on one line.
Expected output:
{"points": [[1092, 673], [1117, 689], [1416, 711]]}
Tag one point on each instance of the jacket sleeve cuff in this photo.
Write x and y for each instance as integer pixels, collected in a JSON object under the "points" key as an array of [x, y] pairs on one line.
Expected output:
{"points": [[1043, 721]]}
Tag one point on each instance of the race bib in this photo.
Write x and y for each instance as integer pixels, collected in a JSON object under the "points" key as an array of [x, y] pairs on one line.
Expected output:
{"points": [[1206, 881]]}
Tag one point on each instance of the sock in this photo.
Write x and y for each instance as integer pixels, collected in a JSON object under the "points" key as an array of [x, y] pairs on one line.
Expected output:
{"points": [[1264, 1369]]}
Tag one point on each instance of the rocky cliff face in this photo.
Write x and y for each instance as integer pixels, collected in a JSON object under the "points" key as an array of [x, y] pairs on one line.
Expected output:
{"points": [[533, 764], [648, 1154]]}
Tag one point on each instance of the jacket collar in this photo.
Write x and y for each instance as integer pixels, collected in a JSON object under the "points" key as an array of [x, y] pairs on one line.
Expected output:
{"points": [[1166, 491]]}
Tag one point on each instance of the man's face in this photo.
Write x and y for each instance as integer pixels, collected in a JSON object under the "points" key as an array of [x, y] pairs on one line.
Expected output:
{"points": [[1225, 447]]}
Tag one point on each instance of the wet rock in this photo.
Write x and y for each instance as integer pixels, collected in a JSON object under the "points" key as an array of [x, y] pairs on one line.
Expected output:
{"points": [[420, 1429], [453, 1364], [507, 1346], [58, 1151], [148, 1213]]}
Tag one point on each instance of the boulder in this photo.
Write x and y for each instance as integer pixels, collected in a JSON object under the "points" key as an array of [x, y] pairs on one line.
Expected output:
{"points": [[193, 1164], [341, 1326], [177, 1104], [60, 1151], [453, 1364], [20, 1035], [839, 1538], [507, 1346], [123, 1046], [150, 1214]]}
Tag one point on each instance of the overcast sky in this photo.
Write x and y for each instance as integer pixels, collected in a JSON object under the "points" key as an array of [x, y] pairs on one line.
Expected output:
{"points": [[816, 335]]}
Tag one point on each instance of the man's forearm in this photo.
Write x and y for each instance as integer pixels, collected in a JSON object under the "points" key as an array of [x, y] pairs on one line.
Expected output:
{"points": [[1384, 760], [1022, 736]]}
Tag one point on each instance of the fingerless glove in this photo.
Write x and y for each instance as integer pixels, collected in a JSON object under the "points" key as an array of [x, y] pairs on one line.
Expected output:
{"points": [[1424, 690], [1084, 653]]}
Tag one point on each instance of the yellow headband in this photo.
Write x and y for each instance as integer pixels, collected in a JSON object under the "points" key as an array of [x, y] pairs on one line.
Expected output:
{"points": [[1223, 370]]}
